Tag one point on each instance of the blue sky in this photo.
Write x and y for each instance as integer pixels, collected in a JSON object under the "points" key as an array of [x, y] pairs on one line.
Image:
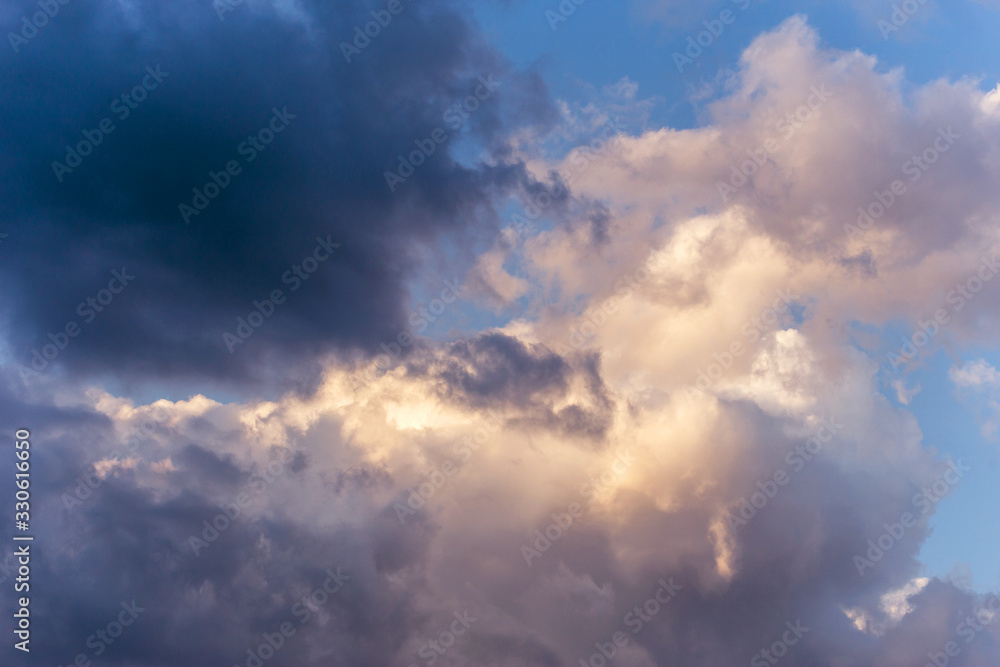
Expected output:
{"points": [[602, 42], [951, 426]]}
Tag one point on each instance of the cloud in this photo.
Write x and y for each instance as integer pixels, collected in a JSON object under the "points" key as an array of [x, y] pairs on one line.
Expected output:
{"points": [[366, 450], [975, 375], [799, 209], [699, 406], [905, 394], [980, 383], [322, 177]]}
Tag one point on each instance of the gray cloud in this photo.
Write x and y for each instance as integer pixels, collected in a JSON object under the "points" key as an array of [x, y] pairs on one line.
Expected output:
{"points": [[321, 177]]}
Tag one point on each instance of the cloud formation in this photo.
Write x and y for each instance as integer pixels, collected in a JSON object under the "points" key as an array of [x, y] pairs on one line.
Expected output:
{"points": [[691, 438], [218, 176]]}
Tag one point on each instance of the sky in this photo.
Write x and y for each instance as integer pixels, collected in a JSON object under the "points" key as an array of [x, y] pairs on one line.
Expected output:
{"points": [[411, 333]]}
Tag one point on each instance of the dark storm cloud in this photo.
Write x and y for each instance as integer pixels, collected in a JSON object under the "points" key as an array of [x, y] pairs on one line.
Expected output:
{"points": [[220, 469], [496, 370], [206, 86]]}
